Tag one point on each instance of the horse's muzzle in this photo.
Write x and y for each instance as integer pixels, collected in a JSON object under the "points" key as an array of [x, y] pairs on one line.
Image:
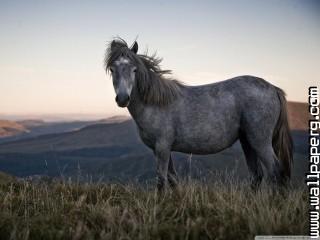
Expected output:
{"points": [[123, 100]]}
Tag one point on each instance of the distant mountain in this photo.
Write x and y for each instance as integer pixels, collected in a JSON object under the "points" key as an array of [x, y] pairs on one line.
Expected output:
{"points": [[12, 131], [110, 149], [97, 135], [114, 119], [35, 127], [11, 128], [31, 123], [113, 151]]}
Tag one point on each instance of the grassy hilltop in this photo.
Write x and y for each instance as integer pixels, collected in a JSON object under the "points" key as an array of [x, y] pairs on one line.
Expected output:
{"points": [[112, 211]]}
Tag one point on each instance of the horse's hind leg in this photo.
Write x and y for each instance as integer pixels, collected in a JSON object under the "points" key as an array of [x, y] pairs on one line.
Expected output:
{"points": [[271, 163], [172, 174], [265, 153], [253, 163], [258, 124]]}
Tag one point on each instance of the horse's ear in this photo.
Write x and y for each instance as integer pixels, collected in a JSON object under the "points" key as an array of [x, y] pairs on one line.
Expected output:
{"points": [[113, 44], [134, 47]]}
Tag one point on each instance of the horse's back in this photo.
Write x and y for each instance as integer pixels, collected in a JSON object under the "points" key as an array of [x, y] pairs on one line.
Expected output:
{"points": [[243, 84], [210, 117], [241, 92]]}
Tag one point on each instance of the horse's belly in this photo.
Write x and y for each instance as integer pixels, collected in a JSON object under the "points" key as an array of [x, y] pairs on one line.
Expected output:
{"points": [[205, 144], [202, 150]]}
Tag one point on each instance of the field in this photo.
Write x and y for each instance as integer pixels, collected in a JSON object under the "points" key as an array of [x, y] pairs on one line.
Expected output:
{"points": [[216, 210]]}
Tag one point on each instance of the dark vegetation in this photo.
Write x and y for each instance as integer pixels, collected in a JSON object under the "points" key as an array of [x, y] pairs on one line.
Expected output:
{"points": [[218, 210]]}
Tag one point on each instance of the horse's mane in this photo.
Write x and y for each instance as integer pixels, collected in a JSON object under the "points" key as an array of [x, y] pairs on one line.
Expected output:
{"points": [[154, 85]]}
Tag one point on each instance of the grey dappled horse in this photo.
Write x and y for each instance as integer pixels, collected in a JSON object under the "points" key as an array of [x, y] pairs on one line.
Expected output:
{"points": [[205, 119]]}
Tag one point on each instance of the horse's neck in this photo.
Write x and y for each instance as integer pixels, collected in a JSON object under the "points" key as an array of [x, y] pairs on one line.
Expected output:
{"points": [[136, 106]]}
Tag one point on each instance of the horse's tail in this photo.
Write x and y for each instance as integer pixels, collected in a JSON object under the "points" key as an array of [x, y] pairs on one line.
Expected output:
{"points": [[281, 140]]}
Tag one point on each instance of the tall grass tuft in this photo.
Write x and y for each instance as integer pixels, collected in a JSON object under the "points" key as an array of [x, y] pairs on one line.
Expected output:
{"points": [[228, 210]]}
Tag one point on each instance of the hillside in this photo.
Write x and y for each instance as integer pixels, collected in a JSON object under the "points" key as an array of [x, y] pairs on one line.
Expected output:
{"points": [[6, 178], [110, 149], [11, 128], [98, 135], [114, 151], [31, 123], [11, 131], [37, 127], [298, 114]]}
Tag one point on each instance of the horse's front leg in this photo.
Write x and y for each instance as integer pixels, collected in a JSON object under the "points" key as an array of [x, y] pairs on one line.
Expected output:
{"points": [[172, 174], [162, 154]]}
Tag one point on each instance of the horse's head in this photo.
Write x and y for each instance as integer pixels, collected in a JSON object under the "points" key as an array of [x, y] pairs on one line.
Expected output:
{"points": [[123, 72]]}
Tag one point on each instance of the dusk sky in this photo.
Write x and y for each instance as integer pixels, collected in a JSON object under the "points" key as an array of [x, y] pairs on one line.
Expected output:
{"points": [[51, 52]]}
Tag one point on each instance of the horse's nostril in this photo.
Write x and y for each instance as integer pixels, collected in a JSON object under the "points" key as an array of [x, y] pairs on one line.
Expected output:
{"points": [[122, 99]]}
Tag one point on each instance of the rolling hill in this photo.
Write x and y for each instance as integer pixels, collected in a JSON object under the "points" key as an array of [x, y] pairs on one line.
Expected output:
{"points": [[36, 127], [97, 135], [31, 123], [113, 151], [110, 149], [11, 128]]}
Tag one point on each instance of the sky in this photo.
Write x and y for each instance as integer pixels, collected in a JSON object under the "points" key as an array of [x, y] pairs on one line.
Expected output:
{"points": [[51, 52]]}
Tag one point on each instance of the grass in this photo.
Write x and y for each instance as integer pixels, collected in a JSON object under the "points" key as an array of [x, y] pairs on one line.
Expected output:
{"points": [[62, 210], [6, 179]]}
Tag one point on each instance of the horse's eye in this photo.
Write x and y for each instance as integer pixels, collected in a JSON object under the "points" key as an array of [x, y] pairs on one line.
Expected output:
{"points": [[135, 70], [111, 70]]}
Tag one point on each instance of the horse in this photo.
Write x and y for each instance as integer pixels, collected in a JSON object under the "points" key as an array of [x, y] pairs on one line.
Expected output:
{"points": [[205, 119]]}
